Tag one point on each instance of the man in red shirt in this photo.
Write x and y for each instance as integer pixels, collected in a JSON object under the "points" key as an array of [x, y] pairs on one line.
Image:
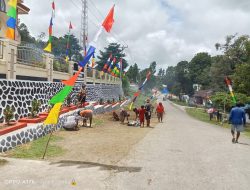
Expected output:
{"points": [[160, 111], [142, 112]]}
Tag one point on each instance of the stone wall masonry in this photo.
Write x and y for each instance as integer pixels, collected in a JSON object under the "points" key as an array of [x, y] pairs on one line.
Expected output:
{"points": [[19, 94], [35, 131]]}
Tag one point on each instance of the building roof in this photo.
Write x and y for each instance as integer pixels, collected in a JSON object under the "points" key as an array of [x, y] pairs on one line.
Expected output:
{"points": [[22, 9], [203, 93]]}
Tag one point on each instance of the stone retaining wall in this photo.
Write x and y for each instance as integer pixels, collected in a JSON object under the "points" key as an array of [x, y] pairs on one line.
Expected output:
{"points": [[19, 94]]}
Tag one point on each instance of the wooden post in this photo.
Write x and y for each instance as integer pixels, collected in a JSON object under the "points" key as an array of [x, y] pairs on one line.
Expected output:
{"points": [[45, 151]]}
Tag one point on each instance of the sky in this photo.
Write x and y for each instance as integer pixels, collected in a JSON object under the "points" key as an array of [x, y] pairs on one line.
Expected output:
{"points": [[165, 31]]}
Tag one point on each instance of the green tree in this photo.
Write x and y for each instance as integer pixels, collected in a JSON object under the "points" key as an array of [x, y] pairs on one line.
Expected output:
{"points": [[218, 71], [169, 79], [220, 99], [198, 69], [133, 73], [116, 50], [125, 85], [236, 49], [25, 34], [241, 79], [152, 83], [160, 72], [60, 44], [183, 78]]}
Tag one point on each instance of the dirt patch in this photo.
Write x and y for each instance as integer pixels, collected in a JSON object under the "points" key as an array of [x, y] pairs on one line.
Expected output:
{"points": [[3, 162], [107, 142]]}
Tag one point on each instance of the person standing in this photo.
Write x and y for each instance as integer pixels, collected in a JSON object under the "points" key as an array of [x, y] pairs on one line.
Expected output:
{"points": [[148, 108], [142, 112], [82, 96], [160, 111], [136, 111], [237, 118]]}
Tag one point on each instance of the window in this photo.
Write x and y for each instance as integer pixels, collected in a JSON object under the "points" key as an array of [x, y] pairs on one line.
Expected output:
{"points": [[2, 6]]}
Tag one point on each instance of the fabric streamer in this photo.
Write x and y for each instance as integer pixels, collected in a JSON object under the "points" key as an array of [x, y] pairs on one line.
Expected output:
{"points": [[139, 90], [53, 114], [67, 47], [116, 70], [228, 82], [107, 64], [111, 65], [59, 98], [48, 48], [11, 22]]}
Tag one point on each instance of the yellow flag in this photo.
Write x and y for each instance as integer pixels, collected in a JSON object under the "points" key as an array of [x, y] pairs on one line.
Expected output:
{"points": [[12, 3], [48, 47], [67, 59], [101, 73], [131, 106], [53, 114]]}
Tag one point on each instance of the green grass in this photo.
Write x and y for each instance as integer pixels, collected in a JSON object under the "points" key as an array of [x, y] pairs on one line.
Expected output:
{"points": [[35, 149], [203, 116], [97, 121], [181, 103]]}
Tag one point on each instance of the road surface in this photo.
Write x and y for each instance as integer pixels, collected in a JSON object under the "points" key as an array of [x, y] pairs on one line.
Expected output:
{"points": [[180, 153]]}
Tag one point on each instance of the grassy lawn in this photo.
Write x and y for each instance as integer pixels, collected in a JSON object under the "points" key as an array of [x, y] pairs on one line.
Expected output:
{"points": [[179, 102], [98, 121], [35, 149], [203, 116]]}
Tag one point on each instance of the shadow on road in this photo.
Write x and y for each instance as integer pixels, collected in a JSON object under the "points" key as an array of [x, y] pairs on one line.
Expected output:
{"points": [[82, 164], [243, 144]]}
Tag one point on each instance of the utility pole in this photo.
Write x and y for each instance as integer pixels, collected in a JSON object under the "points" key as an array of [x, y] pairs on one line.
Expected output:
{"points": [[84, 32], [84, 25]]}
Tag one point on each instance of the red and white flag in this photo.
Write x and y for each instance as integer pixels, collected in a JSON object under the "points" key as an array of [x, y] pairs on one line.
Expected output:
{"points": [[107, 24]]}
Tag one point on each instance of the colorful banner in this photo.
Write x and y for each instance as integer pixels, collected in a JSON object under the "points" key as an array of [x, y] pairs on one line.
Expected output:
{"points": [[59, 98], [11, 22], [48, 48], [228, 82], [68, 40], [107, 64], [139, 90]]}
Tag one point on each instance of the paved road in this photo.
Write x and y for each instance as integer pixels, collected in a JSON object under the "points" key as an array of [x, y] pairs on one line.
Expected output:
{"points": [[181, 153]]}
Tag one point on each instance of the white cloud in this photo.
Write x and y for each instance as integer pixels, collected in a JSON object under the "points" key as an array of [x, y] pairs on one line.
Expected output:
{"points": [[165, 31]]}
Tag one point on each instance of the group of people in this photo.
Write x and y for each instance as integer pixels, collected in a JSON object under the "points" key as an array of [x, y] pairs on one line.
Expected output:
{"points": [[145, 112]]}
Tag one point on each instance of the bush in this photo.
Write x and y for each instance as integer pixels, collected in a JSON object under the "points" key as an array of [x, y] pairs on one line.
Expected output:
{"points": [[8, 114], [35, 108], [221, 98], [125, 85], [101, 101]]}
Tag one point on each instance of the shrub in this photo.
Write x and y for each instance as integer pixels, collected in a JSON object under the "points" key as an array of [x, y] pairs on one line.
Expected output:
{"points": [[8, 114], [35, 108], [221, 98], [101, 101]]}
